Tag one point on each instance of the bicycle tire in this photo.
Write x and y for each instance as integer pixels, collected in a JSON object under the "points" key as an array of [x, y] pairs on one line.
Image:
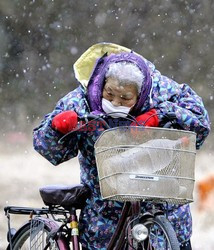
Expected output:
{"points": [[161, 234], [33, 235]]}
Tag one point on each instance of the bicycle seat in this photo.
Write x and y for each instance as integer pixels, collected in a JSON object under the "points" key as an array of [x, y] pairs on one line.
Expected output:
{"points": [[65, 196]]}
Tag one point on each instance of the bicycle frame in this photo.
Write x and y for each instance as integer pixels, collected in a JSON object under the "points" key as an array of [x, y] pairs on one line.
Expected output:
{"points": [[122, 237], [131, 212]]}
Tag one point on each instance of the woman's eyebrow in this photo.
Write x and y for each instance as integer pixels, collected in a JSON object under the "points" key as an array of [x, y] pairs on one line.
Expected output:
{"points": [[127, 95], [108, 88]]}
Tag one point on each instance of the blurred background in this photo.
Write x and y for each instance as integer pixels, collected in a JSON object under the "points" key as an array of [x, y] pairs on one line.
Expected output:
{"points": [[40, 41]]}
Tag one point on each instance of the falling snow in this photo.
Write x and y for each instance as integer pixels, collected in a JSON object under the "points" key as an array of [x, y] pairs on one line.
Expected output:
{"points": [[41, 40]]}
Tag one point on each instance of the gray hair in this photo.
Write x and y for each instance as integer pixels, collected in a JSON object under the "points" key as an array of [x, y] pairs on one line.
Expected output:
{"points": [[126, 73]]}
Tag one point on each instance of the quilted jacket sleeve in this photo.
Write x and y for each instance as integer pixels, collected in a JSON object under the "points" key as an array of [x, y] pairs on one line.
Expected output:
{"points": [[188, 107], [46, 139]]}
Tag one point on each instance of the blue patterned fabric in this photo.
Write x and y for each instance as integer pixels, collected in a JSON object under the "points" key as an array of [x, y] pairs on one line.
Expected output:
{"points": [[99, 218]]}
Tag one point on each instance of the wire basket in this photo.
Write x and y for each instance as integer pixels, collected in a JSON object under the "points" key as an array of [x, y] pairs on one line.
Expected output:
{"points": [[144, 163]]}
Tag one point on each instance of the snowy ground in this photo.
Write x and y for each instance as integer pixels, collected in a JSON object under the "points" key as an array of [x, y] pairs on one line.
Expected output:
{"points": [[23, 171]]}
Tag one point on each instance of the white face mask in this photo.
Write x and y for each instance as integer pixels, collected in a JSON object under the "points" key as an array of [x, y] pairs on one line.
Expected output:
{"points": [[108, 107]]}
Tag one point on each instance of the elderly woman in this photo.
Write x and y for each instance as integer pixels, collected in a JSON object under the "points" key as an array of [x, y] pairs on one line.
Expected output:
{"points": [[121, 82]]}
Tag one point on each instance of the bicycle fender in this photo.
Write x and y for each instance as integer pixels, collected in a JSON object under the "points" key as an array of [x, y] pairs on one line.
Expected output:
{"points": [[54, 227], [17, 233]]}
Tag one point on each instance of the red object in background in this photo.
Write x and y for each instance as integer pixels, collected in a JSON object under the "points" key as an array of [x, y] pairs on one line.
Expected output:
{"points": [[206, 193]]}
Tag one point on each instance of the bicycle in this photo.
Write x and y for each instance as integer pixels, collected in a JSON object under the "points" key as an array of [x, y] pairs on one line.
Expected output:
{"points": [[48, 228]]}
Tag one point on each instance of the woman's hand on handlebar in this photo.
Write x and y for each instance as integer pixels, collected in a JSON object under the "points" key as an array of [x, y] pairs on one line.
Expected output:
{"points": [[68, 121], [149, 119], [65, 122]]}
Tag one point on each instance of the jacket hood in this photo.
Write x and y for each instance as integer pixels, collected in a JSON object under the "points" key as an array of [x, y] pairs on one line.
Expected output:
{"points": [[90, 70], [84, 66]]}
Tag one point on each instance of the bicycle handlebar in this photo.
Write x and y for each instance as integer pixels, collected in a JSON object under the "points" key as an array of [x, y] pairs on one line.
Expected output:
{"points": [[169, 121], [88, 118]]}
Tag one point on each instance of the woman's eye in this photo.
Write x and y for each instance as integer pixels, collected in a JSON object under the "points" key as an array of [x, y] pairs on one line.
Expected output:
{"points": [[125, 99], [110, 94]]}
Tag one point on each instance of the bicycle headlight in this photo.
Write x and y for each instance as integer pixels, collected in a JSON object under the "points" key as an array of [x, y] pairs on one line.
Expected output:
{"points": [[140, 232]]}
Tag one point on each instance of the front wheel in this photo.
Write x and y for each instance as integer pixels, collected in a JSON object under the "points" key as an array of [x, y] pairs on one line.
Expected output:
{"points": [[161, 234], [35, 235]]}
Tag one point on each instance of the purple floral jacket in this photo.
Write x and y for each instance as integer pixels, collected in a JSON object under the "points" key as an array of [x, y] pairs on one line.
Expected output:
{"points": [[99, 217]]}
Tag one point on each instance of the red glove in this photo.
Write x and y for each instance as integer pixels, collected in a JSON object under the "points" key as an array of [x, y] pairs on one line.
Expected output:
{"points": [[149, 119], [65, 121]]}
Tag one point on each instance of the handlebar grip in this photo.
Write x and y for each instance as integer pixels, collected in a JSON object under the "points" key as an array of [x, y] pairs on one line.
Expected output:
{"points": [[168, 125], [170, 121]]}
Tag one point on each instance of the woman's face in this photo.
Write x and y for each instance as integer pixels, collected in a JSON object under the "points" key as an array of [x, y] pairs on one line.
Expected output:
{"points": [[120, 95]]}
